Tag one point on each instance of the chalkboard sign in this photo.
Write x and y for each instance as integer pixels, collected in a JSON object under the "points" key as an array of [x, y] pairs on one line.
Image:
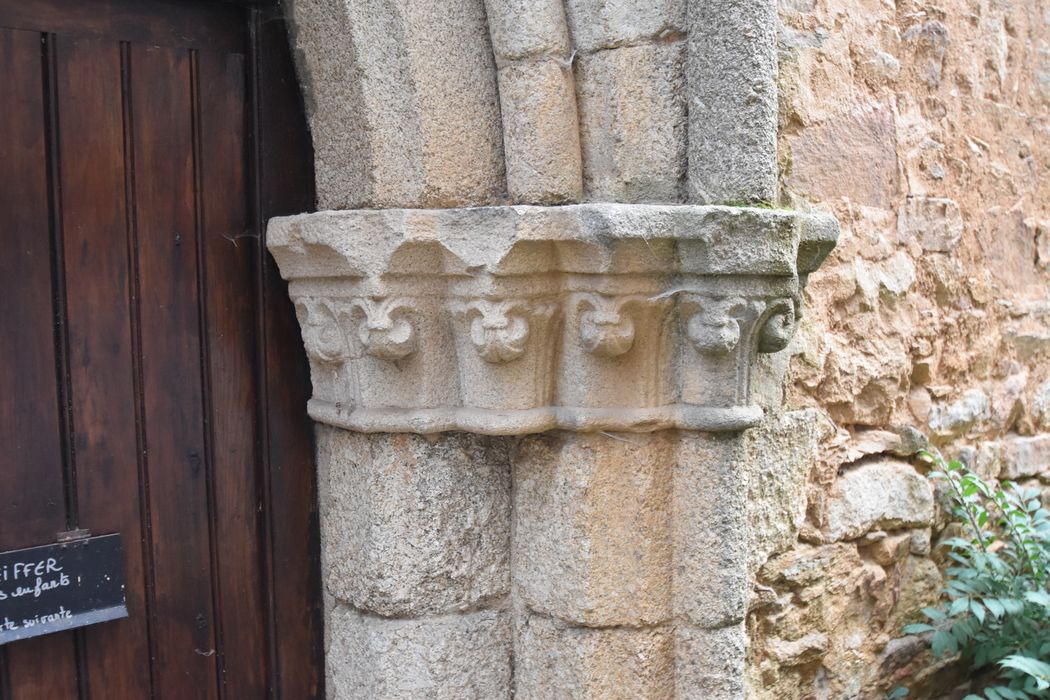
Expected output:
{"points": [[61, 586]]}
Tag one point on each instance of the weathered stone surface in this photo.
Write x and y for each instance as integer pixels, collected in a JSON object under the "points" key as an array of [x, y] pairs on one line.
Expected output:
{"points": [[797, 652], [402, 102], [921, 129], [1041, 229], [780, 453], [935, 224], [1041, 406], [808, 566], [541, 132], [885, 549], [604, 24], [885, 281], [955, 419], [411, 526], [555, 660], [1007, 399], [903, 442], [709, 663], [928, 42], [833, 608], [592, 531], [1029, 338], [526, 28], [866, 137], [710, 530], [1008, 247], [1025, 456], [633, 123], [459, 657], [718, 240], [919, 585], [731, 71], [885, 494], [985, 460], [584, 317]]}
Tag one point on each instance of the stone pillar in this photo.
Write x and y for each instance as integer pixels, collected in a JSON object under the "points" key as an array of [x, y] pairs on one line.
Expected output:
{"points": [[539, 432], [530, 468], [415, 545]]}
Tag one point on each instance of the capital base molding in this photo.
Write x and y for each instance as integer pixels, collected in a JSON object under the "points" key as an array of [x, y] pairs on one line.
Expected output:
{"points": [[521, 319]]}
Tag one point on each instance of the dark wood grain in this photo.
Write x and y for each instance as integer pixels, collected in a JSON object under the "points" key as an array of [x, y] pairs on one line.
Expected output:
{"points": [[160, 380], [178, 23], [229, 253], [30, 425], [101, 367], [183, 619], [284, 185]]}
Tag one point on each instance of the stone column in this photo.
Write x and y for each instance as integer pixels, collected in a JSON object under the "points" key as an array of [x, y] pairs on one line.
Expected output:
{"points": [[616, 343], [415, 543], [530, 468]]}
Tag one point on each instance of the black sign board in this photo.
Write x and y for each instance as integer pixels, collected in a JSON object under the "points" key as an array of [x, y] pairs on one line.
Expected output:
{"points": [[61, 586]]}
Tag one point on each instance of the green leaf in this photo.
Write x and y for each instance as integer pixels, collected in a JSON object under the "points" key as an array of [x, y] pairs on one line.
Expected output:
{"points": [[1035, 668], [1009, 693], [995, 607], [933, 613], [1039, 598], [978, 611], [917, 628], [1013, 605], [959, 606], [896, 693], [942, 642]]}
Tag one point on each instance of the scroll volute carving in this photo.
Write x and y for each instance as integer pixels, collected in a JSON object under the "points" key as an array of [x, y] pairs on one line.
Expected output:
{"points": [[778, 325]]}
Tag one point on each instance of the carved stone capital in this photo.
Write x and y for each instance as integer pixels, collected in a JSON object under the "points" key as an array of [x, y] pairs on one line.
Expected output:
{"points": [[520, 319]]}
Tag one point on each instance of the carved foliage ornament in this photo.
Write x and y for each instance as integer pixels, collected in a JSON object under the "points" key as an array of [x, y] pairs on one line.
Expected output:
{"points": [[499, 330], [607, 324], [591, 328], [384, 327]]}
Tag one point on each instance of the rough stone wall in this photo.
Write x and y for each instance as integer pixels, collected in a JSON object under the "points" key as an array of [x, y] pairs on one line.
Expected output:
{"points": [[925, 127]]}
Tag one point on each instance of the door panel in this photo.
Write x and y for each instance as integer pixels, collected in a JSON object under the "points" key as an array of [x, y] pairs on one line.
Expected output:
{"points": [[34, 494], [230, 320], [102, 377], [152, 377], [177, 470]]}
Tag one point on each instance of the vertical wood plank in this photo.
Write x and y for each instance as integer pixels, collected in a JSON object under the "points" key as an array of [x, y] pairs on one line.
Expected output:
{"points": [[283, 183], [210, 560], [183, 619], [229, 252], [101, 366], [30, 427]]}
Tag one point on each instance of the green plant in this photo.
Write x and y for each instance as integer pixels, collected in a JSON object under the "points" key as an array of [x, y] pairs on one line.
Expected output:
{"points": [[996, 609]]}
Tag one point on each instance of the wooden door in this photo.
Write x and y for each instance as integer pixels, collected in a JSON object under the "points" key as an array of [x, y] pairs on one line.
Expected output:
{"points": [[151, 378]]}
